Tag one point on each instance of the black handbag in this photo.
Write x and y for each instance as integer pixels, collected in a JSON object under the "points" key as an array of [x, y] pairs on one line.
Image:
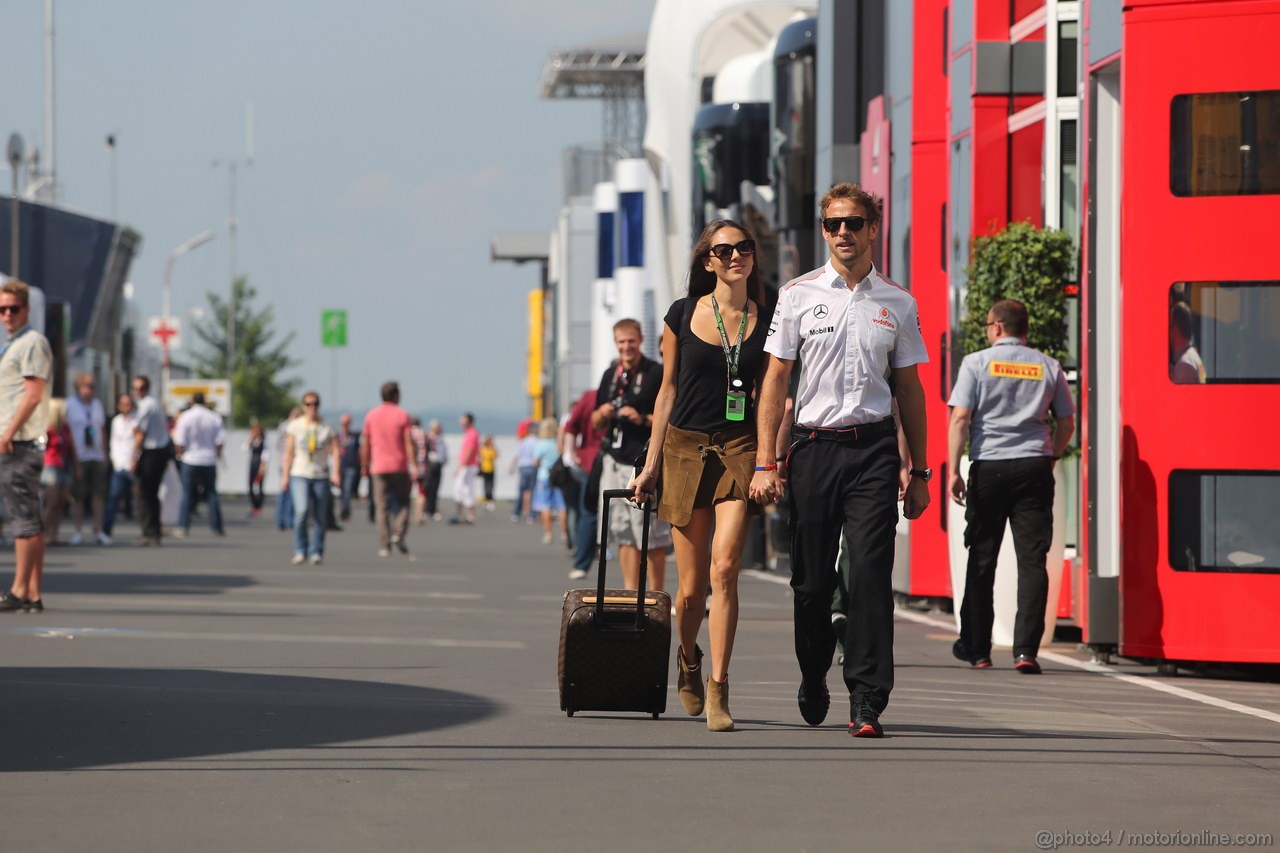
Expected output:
{"points": [[559, 476]]}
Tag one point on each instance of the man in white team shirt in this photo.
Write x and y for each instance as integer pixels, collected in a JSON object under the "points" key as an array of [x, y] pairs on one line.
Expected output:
{"points": [[198, 437], [87, 421], [857, 337]]}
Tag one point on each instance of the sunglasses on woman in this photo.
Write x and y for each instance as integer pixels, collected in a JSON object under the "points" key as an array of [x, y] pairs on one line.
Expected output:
{"points": [[832, 224], [724, 251]]}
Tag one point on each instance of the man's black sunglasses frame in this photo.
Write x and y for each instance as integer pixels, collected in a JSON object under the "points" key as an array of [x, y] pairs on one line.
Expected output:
{"points": [[854, 223]]}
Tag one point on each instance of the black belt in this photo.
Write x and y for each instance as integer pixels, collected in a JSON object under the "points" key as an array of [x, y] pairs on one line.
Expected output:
{"points": [[847, 435]]}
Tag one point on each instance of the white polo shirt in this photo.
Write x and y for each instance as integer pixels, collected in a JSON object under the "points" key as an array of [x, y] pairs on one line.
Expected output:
{"points": [[848, 340], [199, 432]]}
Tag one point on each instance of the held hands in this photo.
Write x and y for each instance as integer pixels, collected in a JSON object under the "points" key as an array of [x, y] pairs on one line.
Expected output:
{"points": [[916, 498], [766, 487], [631, 414], [957, 488]]}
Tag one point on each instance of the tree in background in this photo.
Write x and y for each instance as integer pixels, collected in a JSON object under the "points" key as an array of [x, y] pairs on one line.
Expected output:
{"points": [[1031, 265], [259, 388]]}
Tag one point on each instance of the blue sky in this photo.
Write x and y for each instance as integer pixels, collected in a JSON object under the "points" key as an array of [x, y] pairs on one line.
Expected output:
{"points": [[392, 140]]}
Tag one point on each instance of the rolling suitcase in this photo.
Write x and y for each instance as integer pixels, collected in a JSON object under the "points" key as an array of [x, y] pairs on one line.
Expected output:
{"points": [[615, 644]]}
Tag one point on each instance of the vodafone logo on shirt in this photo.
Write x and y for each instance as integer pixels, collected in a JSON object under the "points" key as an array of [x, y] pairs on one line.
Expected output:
{"points": [[883, 319]]}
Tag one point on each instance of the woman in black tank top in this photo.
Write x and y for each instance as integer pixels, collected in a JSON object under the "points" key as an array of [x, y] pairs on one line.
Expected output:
{"points": [[704, 444]]}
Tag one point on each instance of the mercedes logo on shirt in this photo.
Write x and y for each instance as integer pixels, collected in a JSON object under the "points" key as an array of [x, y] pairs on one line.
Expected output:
{"points": [[820, 312]]}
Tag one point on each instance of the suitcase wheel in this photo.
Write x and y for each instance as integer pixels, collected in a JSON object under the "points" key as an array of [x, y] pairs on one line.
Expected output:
{"points": [[655, 715], [569, 713]]}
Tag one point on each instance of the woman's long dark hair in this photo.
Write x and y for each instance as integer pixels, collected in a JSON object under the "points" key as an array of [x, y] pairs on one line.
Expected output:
{"points": [[702, 281]]}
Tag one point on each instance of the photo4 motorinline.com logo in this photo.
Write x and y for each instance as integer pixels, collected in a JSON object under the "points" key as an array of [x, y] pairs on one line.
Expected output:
{"points": [[1051, 840]]}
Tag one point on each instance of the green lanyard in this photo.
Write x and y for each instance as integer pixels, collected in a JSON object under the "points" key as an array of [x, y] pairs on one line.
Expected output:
{"points": [[731, 353]]}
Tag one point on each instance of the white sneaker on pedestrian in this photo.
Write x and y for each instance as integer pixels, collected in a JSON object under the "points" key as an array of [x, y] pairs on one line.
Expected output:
{"points": [[298, 559], [76, 539], [439, 516], [103, 539], [179, 533], [546, 539], [383, 552], [577, 574], [316, 559]]}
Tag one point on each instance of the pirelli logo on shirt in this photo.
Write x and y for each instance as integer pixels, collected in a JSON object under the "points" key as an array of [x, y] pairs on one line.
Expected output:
{"points": [[1017, 370]]}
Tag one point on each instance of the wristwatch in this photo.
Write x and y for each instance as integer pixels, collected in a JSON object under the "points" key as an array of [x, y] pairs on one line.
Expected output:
{"points": [[925, 474]]}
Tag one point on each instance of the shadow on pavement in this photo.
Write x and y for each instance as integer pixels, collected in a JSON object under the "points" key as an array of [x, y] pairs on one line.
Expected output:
{"points": [[68, 718], [143, 584]]}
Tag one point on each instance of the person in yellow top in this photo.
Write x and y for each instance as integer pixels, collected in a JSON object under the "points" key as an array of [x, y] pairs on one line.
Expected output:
{"points": [[312, 460], [488, 469]]}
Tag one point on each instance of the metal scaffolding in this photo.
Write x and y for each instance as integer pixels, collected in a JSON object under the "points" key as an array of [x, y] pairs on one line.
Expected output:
{"points": [[612, 74]]}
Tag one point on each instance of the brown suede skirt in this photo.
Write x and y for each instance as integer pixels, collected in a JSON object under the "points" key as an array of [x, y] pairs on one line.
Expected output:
{"points": [[701, 469]]}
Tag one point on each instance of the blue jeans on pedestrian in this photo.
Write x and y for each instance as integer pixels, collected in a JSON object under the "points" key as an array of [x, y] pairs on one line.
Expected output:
{"points": [[204, 477], [528, 478], [350, 483], [310, 499], [585, 533], [121, 484], [284, 509]]}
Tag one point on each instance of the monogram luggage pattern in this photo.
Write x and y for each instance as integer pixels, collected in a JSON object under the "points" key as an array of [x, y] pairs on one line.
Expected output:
{"points": [[615, 644]]}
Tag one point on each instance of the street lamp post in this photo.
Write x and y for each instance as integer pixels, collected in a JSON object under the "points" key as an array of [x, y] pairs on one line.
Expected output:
{"points": [[14, 154], [194, 243]]}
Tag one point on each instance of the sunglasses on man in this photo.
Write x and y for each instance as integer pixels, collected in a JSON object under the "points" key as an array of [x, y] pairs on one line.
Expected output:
{"points": [[724, 251], [854, 223], [10, 309]]}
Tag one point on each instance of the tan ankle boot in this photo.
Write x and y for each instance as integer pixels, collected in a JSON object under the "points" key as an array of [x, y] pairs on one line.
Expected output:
{"points": [[718, 718], [689, 684]]}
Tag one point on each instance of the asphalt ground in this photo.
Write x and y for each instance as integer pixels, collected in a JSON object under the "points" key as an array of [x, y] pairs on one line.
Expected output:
{"points": [[209, 696]]}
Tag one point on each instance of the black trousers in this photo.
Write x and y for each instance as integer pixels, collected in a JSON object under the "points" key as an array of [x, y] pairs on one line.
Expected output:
{"points": [[151, 468], [1018, 492], [854, 488], [432, 492]]}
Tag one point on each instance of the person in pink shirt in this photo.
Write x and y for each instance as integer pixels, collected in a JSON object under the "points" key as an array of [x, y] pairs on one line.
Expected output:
{"points": [[464, 480], [387, 457]]}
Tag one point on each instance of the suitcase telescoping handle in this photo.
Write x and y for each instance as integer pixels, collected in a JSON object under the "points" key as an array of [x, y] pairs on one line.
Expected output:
{"points": [[608, 495]]}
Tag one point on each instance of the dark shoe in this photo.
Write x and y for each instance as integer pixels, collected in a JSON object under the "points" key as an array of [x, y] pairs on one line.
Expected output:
{"points": [[10, 603], [839, 626], [961, 653], [1026, 664], [866, 722], [814, 700], [36, 606], [147, 542], [400, 544]]}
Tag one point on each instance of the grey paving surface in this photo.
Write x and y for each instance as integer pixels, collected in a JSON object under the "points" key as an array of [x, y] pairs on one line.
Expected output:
{"points": [[208, 696]]}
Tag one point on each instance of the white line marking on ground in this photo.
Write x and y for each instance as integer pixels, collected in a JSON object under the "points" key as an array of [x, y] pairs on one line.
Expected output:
{"points": [[71, 633], [1089, 666]]}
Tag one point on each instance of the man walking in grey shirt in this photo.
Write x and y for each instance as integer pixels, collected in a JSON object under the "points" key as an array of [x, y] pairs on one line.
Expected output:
{"points": [[1001, 404], [26, 369]]}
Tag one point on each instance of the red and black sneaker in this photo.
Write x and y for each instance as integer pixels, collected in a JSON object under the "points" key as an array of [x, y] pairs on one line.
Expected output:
{"points": [[959, 651], [1026, 664], [866, 722]]}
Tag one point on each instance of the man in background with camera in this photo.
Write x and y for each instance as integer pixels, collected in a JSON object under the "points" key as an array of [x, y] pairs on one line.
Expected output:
{"points": [[624, 413]]}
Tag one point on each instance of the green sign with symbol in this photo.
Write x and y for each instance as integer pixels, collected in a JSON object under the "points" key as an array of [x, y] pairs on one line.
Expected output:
{"points": [[333, 328]]}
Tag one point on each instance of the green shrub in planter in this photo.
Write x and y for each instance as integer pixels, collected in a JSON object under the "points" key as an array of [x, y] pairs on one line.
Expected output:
{"points": [[1025, 263]]}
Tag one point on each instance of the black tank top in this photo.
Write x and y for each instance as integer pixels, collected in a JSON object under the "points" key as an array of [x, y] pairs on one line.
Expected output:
{"points": [[701, 382]]}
